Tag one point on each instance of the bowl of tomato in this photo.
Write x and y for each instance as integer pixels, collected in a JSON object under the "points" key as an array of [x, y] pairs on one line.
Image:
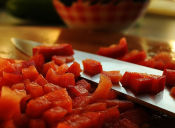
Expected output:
{"points": [[115, 15]]}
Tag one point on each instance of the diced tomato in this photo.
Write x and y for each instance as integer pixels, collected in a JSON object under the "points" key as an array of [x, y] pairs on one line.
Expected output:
{"points": [[9, 103], [84, 84], [49, 51], [95, 107], [163, 56], [92, 67], [143, 83], [172, 92], [62, 59], [36, 107], [148, 62], [112, 94], [78, 91], [66, 79], [63, 125], [11, 78], [21, 120], [170, 77], [103, 89], [7, 124], [170, 65], [60, 98], [19, 86], [53, 115], [41, 80], [34, 89], [62, 80], [24, 102], [49, 65], [135, 116], [134, 56], [81, 101], [62, 69], [115, 76], [114, 51], [30, 73], [38, 61], [37, 123], [75, 69], [125, 123], [50, 87]]}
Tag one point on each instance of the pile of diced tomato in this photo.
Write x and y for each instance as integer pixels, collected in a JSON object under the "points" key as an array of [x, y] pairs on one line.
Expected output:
{"points": [[44, 92]]}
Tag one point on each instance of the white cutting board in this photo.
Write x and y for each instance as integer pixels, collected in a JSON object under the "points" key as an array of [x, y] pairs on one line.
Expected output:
{"points": [[162, 7]]}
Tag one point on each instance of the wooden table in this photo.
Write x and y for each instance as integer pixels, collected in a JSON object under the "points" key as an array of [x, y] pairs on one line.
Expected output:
{"points": [[82, 40]]}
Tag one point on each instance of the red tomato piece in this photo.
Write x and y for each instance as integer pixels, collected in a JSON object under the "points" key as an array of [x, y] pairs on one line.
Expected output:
{"points": [[51, 76], [114, 51], [125, 123], [55, 114], [143, 83], [49, 65], [82, 101], [23, 103], [11, 78], [36, 107], [66, 79], [163, 56], [92, 67], [21, 120], [115, 76], [103, 89], [50, 87], [8, 99], [62, 69], [84, 84], [95, 107], [62, 59], [38, 60], [75, 69], [135, 116], [34, 89], [134, 56], [7, 124], [30, 73], [41, 80], [78, 91], [49, 51], [37, 123], [149, 63], [170, 77], [19, 86]]}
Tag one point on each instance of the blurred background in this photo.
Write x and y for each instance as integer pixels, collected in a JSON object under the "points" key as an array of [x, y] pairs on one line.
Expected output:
{"points": [[157, 24]]}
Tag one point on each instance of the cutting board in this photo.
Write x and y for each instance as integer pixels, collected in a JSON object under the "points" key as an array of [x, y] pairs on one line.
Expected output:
{"points": [[162, 7]]}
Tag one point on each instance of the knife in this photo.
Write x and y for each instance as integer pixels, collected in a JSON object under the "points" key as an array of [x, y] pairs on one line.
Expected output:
{"points": [[161, 102]]}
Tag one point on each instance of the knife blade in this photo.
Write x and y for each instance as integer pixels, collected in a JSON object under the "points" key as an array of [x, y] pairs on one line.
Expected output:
{"points": [[161, 102]]}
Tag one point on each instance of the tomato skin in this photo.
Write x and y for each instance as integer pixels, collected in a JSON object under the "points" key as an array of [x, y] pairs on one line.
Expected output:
{"points": [[115, 76], [75, 69], [59, 60], [170, 77], [114, 51], [49, 51], [134, 56], [30, 73], [92, 67]]}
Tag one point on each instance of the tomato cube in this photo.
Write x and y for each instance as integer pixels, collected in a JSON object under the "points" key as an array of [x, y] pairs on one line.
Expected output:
{"points": [[51, 76], [172, 92], [50, 87], [41, 80], [75, 69], [62, 69], [38, 61], [18, 86], [62, 59], [34, 89], [95, 107], [115, 76], [92, 67], [11, 78], [55, 114], [30, 73], [49, 51], [125, 123], [49, 65], [114, 51], [78, 91], [170, 77]]}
